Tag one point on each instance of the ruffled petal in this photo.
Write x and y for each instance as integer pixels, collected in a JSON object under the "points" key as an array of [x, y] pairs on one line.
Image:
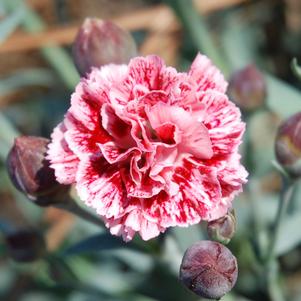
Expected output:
{"points": [[81, 140], [206, 75], [195, 137], [116, 127], [113, 154], [223, 121], [232, 175], [145, 71], [100, 186], [199, 198], [62, 159], [146, 188]]}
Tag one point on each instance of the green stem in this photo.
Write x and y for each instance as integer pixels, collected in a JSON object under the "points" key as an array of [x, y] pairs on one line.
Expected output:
{"points": [[251, 191], [271, 264], [273, 287], [286, 194], [71, 206], [198, 31]]}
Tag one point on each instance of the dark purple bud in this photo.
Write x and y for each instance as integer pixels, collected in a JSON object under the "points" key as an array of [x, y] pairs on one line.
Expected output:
{"points": [[222, 229], [209, 269], [100, 42], [288, 145], [247, 88], [25, 245], [30, 172]]}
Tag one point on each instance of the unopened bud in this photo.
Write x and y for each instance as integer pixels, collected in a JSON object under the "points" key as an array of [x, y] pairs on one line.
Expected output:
{"points": [[288, 145], [247, 88], [30, 172], [100, 42], [209, 269], [222, 229], [25, 245]]}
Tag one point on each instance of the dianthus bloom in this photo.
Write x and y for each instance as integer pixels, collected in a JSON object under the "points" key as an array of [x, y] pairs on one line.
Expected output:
{"points": [[150, 148]]}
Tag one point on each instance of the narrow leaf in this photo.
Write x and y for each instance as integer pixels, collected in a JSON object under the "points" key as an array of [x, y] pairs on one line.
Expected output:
{"points": [[289, 236], [11, 22], [96, 243]]}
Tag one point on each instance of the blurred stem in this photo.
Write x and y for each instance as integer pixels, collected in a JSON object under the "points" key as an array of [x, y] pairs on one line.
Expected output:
{"points": [[251, 191], [56, 56], [198, 31], [271, 256], [285, 196], [71, 206], [273, 287]]}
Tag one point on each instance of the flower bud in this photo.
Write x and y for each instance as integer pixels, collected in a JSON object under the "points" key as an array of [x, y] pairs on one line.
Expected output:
{"points": [[209, 269], [222, 229], [101, 42], [288, 145], [25, 245], [247, 88], [30, 171]]}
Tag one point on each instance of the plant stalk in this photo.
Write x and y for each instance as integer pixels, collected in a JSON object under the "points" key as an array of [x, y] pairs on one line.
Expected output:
{"points": [[71, 206], [286, 195], [271, 264]]}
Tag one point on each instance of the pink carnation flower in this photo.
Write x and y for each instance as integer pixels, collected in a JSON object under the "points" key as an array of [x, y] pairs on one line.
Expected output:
{"points": [[150, 148]]}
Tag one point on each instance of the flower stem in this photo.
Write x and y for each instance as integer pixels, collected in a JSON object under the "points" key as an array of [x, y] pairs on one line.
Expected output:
{"points": [[71, 206], [271, 256], [286, 194], [251, 190]]}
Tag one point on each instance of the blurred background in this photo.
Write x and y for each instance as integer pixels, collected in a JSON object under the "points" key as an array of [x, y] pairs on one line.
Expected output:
{"points": [[37, 76]]}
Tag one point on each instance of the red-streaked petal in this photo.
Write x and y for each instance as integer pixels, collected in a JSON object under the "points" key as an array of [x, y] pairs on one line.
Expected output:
{"points": [[232, 175], [81, 140], [113, 154], [196, 141], [206, 75], [199, 198], [145, 189], [146, 71], [100, 186], [98, 84], [194, 135], [62, 159], [116, 127], [222, 119], [149, 229], [133, 222]]}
